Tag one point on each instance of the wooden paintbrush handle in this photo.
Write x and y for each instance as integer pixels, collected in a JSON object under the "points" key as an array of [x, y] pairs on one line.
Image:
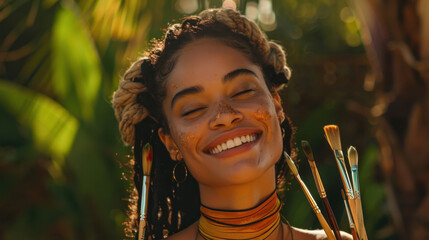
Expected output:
{"points": [[353, 231], [361, 221], [353, 211], [331, 218], [142, 229], [325, 225], [316, 209]]}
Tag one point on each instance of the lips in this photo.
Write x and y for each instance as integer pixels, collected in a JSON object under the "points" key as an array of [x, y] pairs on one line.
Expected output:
{"points": [[231, 140]]}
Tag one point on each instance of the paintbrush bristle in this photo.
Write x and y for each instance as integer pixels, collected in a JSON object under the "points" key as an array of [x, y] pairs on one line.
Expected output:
{"points": [[332, 133], [353, 156], [147, 157], [291, 164], [307, 150]]}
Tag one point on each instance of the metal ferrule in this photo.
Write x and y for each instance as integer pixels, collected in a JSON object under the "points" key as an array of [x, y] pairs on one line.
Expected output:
{"points": [[349, 215], [143, 198], [355, 178], [344, 174], [316, 210], [356, 194]]}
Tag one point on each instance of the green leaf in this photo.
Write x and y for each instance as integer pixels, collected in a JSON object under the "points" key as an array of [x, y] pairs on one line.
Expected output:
{"points": [[76, 65], [52, 126]]}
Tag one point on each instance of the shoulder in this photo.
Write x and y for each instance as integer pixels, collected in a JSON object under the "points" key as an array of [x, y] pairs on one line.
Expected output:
{"points": [[186, 234], [298, 234], [304, 234]]}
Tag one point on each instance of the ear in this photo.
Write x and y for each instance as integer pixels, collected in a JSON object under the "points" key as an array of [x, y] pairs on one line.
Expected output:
{"points": [[278, 106], [169, 143]]}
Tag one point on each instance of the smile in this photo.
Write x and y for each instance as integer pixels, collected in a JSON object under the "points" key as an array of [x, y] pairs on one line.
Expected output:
{"points": [[233, 142]]}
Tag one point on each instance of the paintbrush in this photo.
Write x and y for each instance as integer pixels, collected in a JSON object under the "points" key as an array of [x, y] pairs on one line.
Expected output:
{"points": [[349, 217], [332, 133], [353, 160], [320, 188], [310, 198], [147, 157]]}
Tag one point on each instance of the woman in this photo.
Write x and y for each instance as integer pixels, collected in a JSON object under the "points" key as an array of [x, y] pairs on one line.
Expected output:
{"points": [[205, 98]]}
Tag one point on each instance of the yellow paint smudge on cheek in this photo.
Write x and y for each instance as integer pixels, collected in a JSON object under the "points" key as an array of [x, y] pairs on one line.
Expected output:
{"points": [[186, 139]]}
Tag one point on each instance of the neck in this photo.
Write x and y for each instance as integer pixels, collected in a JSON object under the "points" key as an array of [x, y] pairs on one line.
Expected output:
{"points": [[259, 222], [239, 196]]}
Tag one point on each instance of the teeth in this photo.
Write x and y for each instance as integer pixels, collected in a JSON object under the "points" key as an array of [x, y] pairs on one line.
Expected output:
{"points": [[231, 143], [237, 141]]}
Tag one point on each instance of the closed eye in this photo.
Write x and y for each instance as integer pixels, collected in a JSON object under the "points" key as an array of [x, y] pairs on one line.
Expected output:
{"points": [[243, 92], [192, 111]]}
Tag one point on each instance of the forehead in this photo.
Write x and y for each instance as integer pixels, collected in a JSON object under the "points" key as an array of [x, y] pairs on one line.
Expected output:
{"points": [[205, 60]]}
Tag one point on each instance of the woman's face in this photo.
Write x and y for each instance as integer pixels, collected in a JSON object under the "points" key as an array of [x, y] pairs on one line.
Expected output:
{"points": [[221, 115]]}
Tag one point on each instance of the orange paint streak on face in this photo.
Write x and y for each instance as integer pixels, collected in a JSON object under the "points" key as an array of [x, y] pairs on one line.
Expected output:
{"points": [[264, 117]]}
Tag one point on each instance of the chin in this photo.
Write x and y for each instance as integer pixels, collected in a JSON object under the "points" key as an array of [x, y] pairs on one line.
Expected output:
{"points": [[244, 172]]}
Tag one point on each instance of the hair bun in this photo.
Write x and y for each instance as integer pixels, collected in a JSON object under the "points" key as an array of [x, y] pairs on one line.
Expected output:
{"points": [[279, 79], [147, 73]]}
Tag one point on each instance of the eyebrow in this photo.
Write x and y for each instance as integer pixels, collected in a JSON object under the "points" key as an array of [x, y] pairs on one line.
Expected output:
{"points": [[185, 92], [236, 73], [197, 89]]}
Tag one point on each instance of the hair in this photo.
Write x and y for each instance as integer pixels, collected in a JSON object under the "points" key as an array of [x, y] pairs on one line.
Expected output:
{"points": [[138, 108]]}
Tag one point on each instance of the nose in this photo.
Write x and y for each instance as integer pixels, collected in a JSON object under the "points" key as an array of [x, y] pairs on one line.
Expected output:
{"points": [[225, 117]]}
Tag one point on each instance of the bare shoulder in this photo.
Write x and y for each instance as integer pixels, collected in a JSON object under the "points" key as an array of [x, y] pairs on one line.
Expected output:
{"points": [[186, 234], [304, 234], [298, 234]]}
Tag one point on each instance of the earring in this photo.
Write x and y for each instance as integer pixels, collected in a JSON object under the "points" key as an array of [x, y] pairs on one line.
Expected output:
{"points": [[179, 156], [185, 169], [283, 133]]}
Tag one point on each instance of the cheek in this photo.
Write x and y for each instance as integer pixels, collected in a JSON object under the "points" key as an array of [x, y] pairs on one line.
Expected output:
{"points": [[186, 140], [183, 135], [262, 115], [267, 116]]}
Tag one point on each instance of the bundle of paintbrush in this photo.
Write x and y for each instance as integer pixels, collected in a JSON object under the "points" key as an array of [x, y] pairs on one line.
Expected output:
{"points": [[332, 133], [310, 198], [147, 157], [320, 188]]}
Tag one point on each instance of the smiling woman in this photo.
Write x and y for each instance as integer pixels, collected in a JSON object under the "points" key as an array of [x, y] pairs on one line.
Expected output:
{"points": [[205, 98]]}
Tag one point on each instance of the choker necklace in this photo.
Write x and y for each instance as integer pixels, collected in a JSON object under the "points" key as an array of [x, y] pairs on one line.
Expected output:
{"points": [[254, 223]]}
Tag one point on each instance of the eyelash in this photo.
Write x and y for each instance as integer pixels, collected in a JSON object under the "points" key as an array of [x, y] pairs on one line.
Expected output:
{"points": [[192, 111], [243, 92]]}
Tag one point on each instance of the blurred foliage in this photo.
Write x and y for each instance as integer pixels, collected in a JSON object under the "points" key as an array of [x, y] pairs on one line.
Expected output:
{"points": [[62, 162]]}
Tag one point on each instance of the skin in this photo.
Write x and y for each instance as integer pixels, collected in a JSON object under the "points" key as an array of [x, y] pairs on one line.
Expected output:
{"points": [[216, 110]]}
